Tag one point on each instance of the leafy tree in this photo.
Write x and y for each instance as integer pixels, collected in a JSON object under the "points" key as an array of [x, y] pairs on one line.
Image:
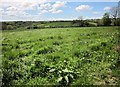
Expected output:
{"points": [[116, 22], [80, 22], [99, 22], [4, 26], [106, 19]]}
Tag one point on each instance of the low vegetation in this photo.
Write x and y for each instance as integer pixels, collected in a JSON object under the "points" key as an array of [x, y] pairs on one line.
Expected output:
{"points": [[63, 56], [18, 25]]}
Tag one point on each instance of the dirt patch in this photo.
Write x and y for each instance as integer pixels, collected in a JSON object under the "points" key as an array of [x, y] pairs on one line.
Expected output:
{"points": [[117, 48]]}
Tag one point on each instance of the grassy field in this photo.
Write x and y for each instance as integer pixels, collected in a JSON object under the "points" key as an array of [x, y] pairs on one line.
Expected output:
{"points": [[68, 56], [54, 24]]}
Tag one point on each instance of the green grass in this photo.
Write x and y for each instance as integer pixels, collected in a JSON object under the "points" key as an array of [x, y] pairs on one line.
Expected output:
{"points": [[54, 24], [60, 24], [92, 23], [66, 56]]}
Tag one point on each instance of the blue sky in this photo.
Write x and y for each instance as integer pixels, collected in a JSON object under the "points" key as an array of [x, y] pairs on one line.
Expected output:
{"points": [[47, 10]]}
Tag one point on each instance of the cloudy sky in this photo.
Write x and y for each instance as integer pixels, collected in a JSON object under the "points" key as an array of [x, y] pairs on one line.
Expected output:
{"points": [[14, 10]]}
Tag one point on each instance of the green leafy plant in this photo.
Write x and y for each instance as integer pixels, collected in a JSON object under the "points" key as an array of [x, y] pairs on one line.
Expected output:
{"points": [[64, 76]]}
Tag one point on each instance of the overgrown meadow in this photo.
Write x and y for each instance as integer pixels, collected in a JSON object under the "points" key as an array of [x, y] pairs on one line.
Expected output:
{"points": [[63, 56]]}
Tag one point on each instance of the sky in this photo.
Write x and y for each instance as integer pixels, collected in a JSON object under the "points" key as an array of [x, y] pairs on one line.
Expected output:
{"points": [[44, 10]]}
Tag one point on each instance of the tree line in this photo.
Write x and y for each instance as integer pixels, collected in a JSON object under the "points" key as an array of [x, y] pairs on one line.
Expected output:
{"points": [[111, 18]]}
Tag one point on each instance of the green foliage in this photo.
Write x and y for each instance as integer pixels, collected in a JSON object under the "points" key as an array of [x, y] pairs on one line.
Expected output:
{"points": [[45, 50], [106, 19], [116, 22], [4, 26], [81, 23], [71, 56], [9, 27], [66, 76], [92, 24]]}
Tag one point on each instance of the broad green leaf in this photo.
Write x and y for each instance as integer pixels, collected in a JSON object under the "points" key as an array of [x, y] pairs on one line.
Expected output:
{"points": [[66, 70], [52, 70], [66, 78], [59, 79], [71, 76]]}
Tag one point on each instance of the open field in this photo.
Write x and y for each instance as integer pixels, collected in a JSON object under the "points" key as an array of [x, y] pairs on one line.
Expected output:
{"points": [[66, 56]]}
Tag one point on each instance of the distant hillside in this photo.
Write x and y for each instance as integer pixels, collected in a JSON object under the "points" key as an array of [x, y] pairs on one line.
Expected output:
{"points": [[46, 24]]}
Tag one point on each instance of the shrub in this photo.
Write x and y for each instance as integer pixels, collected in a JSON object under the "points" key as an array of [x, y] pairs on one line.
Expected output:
{"points": [[28, 27], [35, 27], [4, 26], [64, 76], [116, 22], [9, 27], [14, 27]]}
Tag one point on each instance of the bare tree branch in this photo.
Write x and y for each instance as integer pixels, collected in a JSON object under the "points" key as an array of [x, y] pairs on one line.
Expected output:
{"points": [[115, 11]]}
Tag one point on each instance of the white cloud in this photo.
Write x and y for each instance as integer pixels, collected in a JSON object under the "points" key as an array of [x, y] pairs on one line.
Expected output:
{"points": [[83, 7], [107, 8], [58, 5], [62, 0], [15, 13], [95, 12], [21, 4], [88, 0], [10, 13], [42, 12], [53, 8], [12, 8], [24, 0], [45, 6], [55, 11], [97, 17], [27, 6], [16, 9], [1, 9], [1, 12], [19, 7]]}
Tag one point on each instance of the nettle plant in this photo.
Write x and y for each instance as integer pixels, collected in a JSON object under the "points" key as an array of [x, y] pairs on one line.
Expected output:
{"points": [[64, 75]]}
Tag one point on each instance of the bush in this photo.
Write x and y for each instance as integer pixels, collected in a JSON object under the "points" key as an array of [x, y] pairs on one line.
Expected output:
{"points": [[14, 27], [9, 27], [35, 27], [4, 26], [116, 22], [28, 27], [106, 19], [99, 23]]}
